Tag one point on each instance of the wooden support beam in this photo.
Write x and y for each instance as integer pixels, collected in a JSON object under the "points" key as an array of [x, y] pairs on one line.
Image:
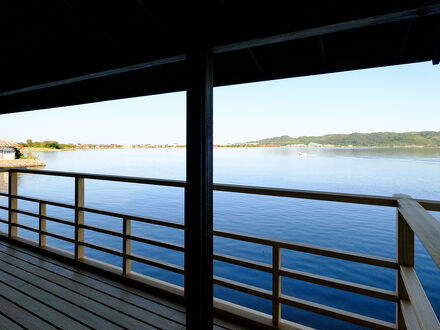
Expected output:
{"points": [[405, 37], [436, 57], [198, 192], [12, 180], [255, 60], [79, 218], [322, 50], [436, 54], [332, 28], [100, 74]]}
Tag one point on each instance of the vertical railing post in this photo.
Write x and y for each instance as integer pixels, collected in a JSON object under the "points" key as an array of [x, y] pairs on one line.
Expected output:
{"points": [[404, 257], [79, 217], [126, 247], [276, 285], [42, 225], [12, 179]]}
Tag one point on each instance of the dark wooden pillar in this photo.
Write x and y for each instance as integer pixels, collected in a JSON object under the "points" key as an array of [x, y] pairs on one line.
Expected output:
{"points": [[198, 192]]}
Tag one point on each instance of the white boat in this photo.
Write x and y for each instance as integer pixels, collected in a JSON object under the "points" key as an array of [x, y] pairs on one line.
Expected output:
{"points": [[302, 154]]}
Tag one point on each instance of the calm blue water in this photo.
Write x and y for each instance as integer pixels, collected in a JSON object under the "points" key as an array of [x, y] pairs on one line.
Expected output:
{"points": [[358, 228]]}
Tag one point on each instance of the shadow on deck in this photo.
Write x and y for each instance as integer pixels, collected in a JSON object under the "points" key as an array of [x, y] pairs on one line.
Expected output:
{"points": [[39, 292]]}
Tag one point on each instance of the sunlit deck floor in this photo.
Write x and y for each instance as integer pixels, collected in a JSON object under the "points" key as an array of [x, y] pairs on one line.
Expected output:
{"points": [[39, 292]]}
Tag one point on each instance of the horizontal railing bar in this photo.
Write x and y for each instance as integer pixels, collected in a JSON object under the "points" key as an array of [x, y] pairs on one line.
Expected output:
{"points": [[106, 249], [101, 230], [4, 194], [31, 214], [155, 242], [37, 200], [327, 252], [316, 279], [25, 227], [336, 313], [424, 225], [419, 301], [170, 224], [64, 238], [135, 218], [246, 288], [4, 208], [104, 177], [309, 194], [243, 262], [340, 254], [340, 284], [156, 263], [64, 222], [430, 205], [4, 221], [36, 215]]}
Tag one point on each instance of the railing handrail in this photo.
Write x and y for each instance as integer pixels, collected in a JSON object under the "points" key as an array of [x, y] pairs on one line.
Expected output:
{"points": [[105, 177], [389, 201]]}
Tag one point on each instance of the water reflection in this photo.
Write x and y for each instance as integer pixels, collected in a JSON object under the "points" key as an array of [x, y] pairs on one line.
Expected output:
{"points": [[4, 179]]}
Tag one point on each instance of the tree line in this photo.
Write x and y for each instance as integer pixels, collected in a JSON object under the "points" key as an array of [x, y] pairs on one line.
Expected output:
{"points": [[378, 139]]}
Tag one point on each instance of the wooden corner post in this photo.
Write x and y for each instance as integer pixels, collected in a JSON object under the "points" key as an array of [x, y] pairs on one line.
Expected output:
{"points": [[12, 181], [404, 257], [198, 192], [79, 217]]}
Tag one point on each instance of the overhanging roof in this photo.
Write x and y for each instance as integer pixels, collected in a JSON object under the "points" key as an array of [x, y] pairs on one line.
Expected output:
{"points": [[64, 52]]}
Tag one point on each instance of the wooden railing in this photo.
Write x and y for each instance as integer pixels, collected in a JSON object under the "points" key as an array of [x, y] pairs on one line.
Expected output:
{"points": [[413, 307]]}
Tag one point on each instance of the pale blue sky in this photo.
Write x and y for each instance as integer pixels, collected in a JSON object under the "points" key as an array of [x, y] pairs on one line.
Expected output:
{"points": [[399, 99]]}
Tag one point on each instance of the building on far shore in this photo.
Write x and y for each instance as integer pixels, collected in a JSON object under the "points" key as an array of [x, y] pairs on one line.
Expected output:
{"points": [[313, 144], [7, 149]]}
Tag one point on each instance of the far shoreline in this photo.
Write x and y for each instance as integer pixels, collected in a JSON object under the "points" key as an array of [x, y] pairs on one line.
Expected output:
{"points": [[32, 150]]}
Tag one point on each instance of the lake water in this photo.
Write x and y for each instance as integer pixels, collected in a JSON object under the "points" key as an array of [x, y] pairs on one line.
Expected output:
{"points": [[358, 228]]}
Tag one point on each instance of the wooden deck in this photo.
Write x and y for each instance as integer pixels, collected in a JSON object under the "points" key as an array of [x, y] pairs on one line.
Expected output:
{"points": [[39, 292]]}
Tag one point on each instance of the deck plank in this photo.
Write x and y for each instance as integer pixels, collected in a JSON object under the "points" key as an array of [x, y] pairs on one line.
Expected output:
{"points": [[37, 307], [106, 306], [103, 283], [78, 308], [7, 324], [87, 296], [10, 311], [119, 299]]}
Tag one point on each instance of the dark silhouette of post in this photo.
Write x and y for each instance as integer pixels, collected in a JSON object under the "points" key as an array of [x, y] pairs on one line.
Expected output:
{"points": [[198, 192]]}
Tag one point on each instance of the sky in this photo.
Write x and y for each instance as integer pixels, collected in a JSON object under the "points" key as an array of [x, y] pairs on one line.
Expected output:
{"points": [[398, 99]]}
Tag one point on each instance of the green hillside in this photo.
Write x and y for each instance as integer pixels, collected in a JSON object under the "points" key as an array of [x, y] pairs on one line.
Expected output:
{"points": [[379, 139]]}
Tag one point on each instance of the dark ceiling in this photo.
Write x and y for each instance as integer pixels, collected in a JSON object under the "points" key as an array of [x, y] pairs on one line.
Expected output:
{"points": [[49, 41]]}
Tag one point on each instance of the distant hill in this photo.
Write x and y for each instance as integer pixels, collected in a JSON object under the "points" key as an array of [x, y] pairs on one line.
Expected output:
{"points": [[379, 139]]}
